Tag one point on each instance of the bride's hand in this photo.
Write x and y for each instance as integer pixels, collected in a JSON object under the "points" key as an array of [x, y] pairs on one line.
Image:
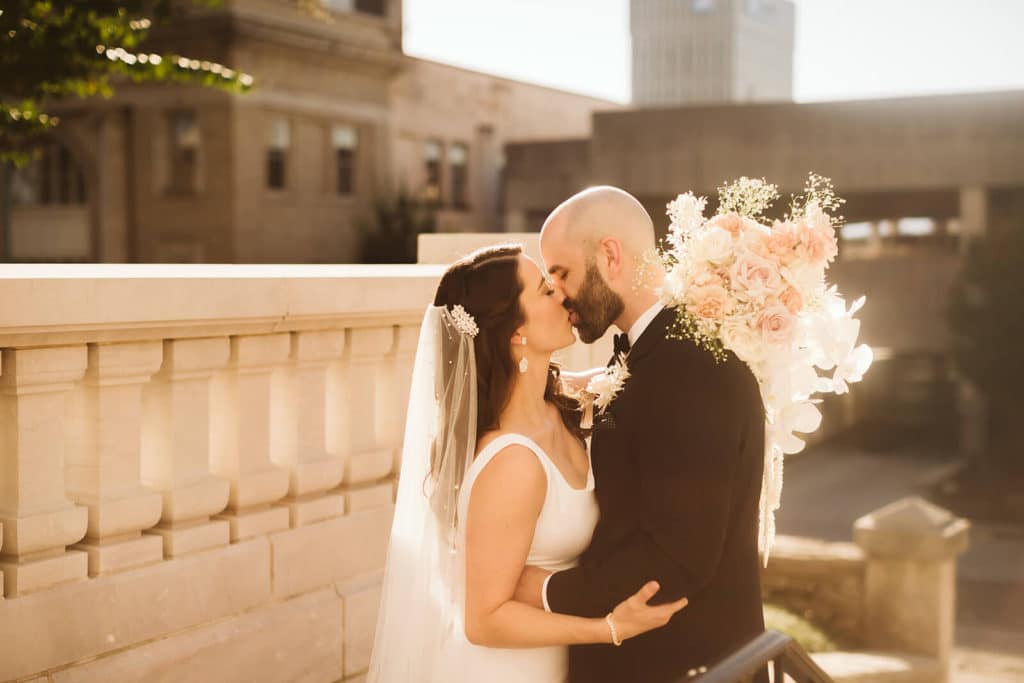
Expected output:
{"points": [[634, 616]]}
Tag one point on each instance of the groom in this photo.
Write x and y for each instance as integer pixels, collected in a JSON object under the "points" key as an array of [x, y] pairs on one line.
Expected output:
{"points": [[677, 460]]}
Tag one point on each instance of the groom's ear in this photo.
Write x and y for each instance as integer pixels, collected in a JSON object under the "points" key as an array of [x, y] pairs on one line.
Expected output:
{"points": [[609, 255]]}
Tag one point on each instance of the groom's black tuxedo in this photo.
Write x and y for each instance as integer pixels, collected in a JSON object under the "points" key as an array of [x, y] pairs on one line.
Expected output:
{"points": [[678, 480]]}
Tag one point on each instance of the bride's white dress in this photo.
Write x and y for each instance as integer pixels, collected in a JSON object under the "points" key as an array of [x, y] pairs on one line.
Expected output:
{"points": [[563, 531]]}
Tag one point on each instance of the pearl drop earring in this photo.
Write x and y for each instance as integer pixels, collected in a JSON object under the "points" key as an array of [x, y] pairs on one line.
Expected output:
{"points": [[524, 364]]}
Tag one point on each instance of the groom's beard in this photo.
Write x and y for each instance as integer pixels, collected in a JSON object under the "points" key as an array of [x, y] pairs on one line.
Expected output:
{"points": [[596, 306]]}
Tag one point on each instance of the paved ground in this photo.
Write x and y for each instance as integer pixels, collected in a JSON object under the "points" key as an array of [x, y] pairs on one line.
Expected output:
{"points": [[827, 489]]}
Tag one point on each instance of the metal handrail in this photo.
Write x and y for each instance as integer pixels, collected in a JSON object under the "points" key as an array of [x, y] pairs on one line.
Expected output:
{"points": [[784, 653]]}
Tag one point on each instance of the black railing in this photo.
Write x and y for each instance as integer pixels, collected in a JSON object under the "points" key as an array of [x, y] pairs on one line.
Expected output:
{"points": [[785, 655]]}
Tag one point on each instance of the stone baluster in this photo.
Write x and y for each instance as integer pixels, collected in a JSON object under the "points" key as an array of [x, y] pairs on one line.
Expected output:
{"points": [[240, 435], [299, 428], [910, 583], [39, 522], [176, 446], [104, 446], [366, 432]]}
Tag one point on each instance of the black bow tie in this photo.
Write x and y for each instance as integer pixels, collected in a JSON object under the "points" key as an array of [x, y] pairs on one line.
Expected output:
{"points": [[620, 344]]}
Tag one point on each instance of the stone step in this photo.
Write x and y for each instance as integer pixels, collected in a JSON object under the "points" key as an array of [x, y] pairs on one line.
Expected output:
{"points": [[869, 666]]}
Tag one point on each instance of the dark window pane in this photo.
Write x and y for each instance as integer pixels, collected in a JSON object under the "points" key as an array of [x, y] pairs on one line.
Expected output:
{"points": [[378, 7], [184, 152], [275, 169], [64, 175], [46, 176], [459, 159], [459, 187], [344, 159]]}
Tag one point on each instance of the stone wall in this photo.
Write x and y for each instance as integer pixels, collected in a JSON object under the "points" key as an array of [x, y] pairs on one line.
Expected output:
{"points": [[820, 581], [197, 467]]}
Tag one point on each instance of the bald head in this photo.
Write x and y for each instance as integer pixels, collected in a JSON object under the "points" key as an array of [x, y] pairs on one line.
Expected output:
{"points": [[598, 213], [595, 246]]}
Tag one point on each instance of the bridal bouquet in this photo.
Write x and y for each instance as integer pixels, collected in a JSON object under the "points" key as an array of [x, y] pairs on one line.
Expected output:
{"points": [[754, 286]]}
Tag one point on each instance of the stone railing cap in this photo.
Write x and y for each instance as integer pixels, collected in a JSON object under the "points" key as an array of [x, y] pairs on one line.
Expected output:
{"points": [[911, 528]]}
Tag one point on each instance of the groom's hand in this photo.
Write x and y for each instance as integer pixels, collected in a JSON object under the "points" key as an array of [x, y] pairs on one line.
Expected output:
{"points": [[531, 586]]}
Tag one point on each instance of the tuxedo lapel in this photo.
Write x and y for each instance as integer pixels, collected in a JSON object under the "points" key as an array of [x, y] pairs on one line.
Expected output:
{"points": [[652, 336]]}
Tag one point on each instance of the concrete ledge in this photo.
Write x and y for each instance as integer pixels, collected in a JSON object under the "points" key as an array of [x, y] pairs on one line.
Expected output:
{"points": [[53, 628], [114, 302], [879, 667]]}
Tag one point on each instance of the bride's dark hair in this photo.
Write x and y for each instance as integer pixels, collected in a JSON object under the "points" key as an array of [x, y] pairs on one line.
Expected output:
{"points": [[486, 283]]}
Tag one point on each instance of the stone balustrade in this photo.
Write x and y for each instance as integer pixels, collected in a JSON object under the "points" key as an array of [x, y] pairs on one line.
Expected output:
{"points": [[197, 466], [891, 594]]}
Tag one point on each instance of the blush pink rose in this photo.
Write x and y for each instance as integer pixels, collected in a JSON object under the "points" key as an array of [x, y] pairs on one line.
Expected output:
{"points": [[776, 324], [781, 242], [730, 222], [708, 277], [817, 245], [711, 302], [792, 300], [754, 277]]}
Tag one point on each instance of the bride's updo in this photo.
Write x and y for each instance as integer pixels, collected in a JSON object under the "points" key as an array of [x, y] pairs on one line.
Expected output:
{"points": [[486, 283]]}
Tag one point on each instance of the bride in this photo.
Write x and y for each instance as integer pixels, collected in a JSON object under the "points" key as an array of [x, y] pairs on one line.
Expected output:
{"points": [[495, 475]]}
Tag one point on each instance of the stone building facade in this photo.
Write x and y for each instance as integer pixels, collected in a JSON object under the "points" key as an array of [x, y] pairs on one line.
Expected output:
{"points": [[338, 120]]}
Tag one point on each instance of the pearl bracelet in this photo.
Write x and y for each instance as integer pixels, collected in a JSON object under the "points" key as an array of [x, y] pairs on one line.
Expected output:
{"points": [[611, 627]]}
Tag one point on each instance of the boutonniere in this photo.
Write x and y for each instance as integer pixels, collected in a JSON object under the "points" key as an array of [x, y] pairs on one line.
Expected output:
{"points": [[603, 388]]}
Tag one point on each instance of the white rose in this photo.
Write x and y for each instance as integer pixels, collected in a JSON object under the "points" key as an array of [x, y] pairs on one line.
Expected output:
{"points": [[714, 245], [743, 341]]}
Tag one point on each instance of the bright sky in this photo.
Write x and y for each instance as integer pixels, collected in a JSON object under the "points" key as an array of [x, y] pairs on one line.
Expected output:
{"points": [[844, 48]]}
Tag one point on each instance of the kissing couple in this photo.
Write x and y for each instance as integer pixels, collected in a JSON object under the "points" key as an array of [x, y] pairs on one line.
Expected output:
{"points": [[526, 548]]}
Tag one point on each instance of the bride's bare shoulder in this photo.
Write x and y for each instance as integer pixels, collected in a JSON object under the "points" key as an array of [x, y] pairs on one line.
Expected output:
{"points": [[515, 459], [487, 438]]}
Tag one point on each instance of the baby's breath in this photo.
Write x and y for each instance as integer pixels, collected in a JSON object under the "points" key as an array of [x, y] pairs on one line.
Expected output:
{"points": [[818, 189], [749, 197], [686, 326]]}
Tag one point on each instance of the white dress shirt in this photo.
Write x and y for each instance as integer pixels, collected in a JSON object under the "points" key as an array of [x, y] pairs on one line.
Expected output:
{"points": [[634, 332]]}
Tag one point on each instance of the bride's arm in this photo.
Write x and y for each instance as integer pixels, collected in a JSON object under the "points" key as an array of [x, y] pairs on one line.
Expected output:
{"points": [[505, 504]]}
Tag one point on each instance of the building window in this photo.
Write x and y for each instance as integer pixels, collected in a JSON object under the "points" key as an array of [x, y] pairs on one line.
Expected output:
{"points": [[376, 7], [50, 178], [337, 5], [432, 161], [277, 154], [458, 157], [184, 157], [344, 140]]}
